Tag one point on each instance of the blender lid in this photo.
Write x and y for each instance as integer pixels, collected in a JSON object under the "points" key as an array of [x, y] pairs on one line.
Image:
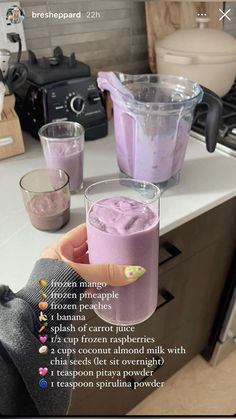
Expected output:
{"points": [[199, 41]]}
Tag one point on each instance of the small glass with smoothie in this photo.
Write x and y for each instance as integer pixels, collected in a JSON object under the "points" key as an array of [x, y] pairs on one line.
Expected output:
{"points": [[123, 228], [46, 197], [63, 148]]}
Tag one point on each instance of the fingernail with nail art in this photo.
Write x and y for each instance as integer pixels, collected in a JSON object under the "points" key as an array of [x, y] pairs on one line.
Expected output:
{"points": [[134, 272]]}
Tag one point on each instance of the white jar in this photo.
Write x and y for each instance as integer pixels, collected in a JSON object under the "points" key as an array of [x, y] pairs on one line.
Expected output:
{"points": [[204, 55]]}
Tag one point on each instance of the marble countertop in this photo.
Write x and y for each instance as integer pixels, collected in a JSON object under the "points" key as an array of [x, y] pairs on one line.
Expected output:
{"points": [[207, 180]]}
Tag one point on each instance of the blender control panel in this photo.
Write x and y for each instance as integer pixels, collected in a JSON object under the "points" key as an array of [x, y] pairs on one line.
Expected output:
{"points": [[77, 100]]}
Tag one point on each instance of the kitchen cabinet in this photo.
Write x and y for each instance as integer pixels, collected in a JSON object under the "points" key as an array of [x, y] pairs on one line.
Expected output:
{"points": [[195, 260]]}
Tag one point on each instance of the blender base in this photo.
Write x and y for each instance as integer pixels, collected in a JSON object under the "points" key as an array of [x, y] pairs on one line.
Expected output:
{"points": [[163, 186], [173, 181]]}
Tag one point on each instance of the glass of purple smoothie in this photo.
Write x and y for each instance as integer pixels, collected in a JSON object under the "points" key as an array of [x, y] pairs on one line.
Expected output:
{"points": [[46, 196], [63, 148], [123, 228]]}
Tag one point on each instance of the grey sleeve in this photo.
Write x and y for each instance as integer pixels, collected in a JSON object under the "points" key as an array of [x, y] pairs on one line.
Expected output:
{"points": [[19, 327], [61, 279]]}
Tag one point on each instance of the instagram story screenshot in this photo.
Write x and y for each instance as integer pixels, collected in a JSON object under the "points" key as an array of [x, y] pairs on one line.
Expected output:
{"points": [[118, 208]]}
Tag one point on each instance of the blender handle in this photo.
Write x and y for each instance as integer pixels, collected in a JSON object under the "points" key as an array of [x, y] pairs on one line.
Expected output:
{"points": [[215, 109]]}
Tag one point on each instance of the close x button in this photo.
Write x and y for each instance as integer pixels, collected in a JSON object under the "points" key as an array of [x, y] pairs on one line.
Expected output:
{"points": [[225, 14]]}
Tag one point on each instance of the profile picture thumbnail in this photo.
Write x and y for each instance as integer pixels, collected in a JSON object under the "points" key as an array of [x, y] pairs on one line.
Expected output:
{"points": [[15, 14]]}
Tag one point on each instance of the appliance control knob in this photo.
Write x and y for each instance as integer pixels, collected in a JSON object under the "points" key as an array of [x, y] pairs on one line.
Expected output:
{"points": [[77, 104]]}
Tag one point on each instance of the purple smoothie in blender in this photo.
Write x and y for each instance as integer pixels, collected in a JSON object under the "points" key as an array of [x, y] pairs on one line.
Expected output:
{"points": [[152, 120], [123, 229]]}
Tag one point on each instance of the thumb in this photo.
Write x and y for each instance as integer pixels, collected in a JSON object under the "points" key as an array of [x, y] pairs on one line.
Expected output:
{"points": [[108, 273]]}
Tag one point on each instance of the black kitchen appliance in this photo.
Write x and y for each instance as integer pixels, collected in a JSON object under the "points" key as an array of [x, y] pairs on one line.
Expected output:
{"points": [[227, 130], [60, 88]]}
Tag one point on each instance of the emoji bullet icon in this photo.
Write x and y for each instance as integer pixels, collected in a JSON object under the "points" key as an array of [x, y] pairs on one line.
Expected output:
{"points": [[41, 329], [44, 324], [43, 317], [43, 296], [43, 338], [43, 371], [43, 305], [43, 350], [43, 282], [43, 383]]}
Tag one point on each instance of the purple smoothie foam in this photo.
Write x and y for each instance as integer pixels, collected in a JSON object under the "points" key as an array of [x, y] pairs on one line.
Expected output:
{"points": [[122, 230]]}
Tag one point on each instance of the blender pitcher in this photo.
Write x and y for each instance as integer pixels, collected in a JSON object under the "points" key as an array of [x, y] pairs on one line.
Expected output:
{"points": [[152, 118]]}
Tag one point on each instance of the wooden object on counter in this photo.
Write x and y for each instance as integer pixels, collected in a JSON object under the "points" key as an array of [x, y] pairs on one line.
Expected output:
{"points": [[165, 17], [107, 96], [108, 105], [11, 140]]}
